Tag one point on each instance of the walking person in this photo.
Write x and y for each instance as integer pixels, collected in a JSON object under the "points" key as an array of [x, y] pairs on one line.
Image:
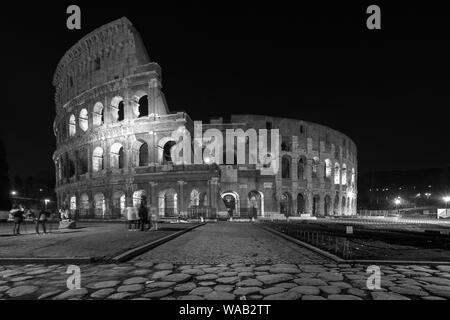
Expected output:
{"points": [[41, 220], [17, 212], [131, 217], [143, 216]]}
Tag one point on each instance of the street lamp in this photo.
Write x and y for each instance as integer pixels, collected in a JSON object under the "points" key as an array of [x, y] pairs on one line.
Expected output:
{"points": [[397, 202], [13, 193], [46, 201], [446, 200]]}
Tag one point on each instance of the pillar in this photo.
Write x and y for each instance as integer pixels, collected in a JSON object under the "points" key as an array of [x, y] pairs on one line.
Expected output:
{"points": [[181, 201]]}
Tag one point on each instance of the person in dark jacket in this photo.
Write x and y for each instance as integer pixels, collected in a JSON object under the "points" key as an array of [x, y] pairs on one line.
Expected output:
{"points": [[17, 213], [42, 220], [143, 215]]}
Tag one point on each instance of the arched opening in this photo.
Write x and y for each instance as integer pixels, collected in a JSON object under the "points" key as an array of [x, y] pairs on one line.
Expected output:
{"points": [[71, 167], [204, 199], [336, 204], [98, 114], [315, 205], [300, 204], [99, 205], [143, 155], [167, 158], [195, 198], [255, 203], [231, 202], [72, 126], [139, 197], [84, 204], [118, 109], [286, 204], [328, 168], [97, 159], [83, 120], [301, 168], [327, 206], [140, 153], [343, 212], [143, 106], [337, 173], [315, 167], [353, 179], [286, 167], [349, 202], [117, 156], [81, 157], [168, 203], [119, 204], [344, 174]]}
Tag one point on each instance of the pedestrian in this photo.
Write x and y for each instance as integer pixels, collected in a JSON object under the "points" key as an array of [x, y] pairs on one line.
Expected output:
{"points": [[131, 217], [42, 220], [17, 212], [143, 216]]}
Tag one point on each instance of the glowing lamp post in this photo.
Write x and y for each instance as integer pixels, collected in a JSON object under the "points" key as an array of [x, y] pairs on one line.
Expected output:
{"points": [[446, 200], [13, 193], [397, 202], [46, 201]]}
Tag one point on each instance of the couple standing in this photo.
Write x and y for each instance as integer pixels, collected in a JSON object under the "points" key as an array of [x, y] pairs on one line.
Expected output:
{"points": [[140, 220]]}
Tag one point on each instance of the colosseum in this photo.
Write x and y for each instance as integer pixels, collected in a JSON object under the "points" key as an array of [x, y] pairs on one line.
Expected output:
{"points": [[113, 131]]}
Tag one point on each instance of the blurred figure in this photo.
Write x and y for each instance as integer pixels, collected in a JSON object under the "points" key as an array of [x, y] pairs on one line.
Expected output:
{"points": [[64, 213], [42, 220], [143, 216], [132, 218], [17, 212]]}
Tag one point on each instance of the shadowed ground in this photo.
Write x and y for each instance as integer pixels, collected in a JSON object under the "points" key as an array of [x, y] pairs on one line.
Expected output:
{"points": [[88, 240]]}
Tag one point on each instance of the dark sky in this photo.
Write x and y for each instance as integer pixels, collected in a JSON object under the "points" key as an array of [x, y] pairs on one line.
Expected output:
{"points": [[387, 89]]}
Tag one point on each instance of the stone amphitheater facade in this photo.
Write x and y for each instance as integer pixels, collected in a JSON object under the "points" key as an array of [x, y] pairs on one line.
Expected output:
{"points": [[113, 130]]}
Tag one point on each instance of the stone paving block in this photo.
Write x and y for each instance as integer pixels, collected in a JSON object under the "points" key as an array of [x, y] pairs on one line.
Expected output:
{"points": [[387, 296], [177, 277], [274, 278], [158, 293], [219, 295], [442, 291], [330, 289], [244, 291], [130, 288], [306, 290], [70, 294], [21, 291], [160, 284], [188, 286], [102, 293], [284, 296], [272, 291], [135, 280]]}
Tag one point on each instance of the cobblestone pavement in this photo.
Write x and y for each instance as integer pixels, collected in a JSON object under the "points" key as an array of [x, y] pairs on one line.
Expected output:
{"points": [[226, 242], [148, 280], [153, 277]]}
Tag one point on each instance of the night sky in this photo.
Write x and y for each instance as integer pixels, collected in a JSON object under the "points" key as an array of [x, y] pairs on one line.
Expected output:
{"points": [[386, 89]]}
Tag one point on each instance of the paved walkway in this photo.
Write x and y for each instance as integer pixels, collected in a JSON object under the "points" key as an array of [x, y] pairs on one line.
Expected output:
{"points": [[90, 239], [303, 276], [225, 242]]}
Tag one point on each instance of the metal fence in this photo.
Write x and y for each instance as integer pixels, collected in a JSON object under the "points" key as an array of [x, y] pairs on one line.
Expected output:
{"points": [[339, 245]]}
